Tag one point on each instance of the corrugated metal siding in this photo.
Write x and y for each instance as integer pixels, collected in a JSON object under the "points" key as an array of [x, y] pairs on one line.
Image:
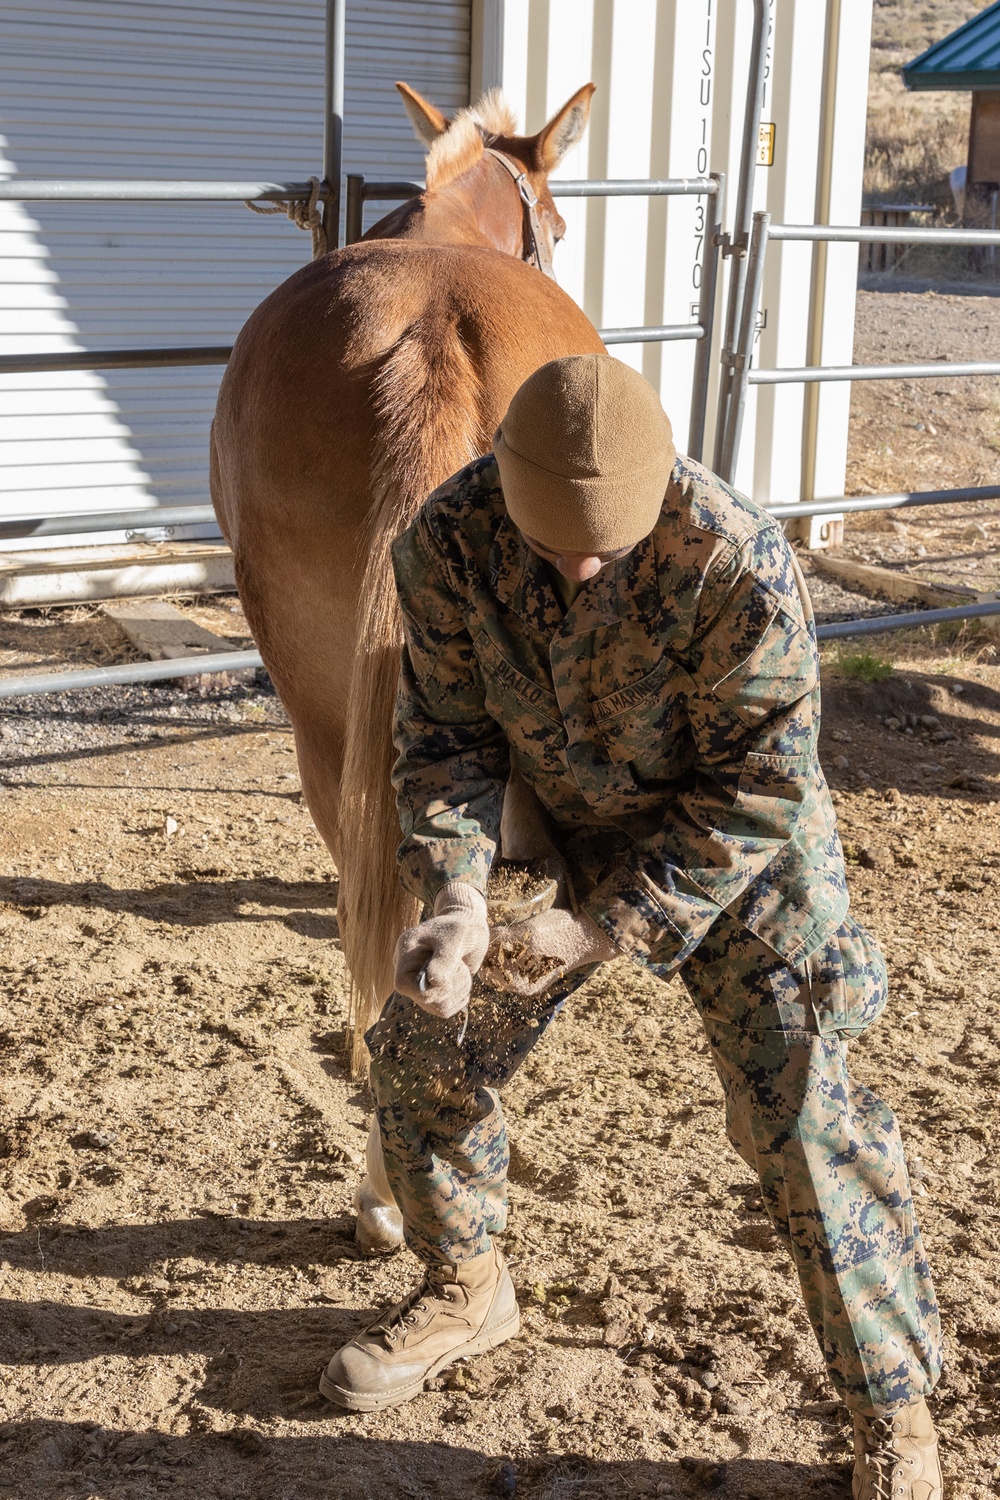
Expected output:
{"points": [[136, 88]]}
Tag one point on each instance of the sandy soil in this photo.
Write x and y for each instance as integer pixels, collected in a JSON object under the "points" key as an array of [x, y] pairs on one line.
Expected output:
{"points": [[180, 1140]]}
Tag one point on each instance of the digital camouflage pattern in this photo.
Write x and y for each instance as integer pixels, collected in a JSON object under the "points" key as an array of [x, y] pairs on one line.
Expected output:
{"points": [[676, 702], [827, 1152], [668, 721]]}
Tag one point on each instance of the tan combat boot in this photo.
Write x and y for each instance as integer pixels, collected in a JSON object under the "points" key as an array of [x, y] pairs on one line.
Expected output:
{"points": [[457, 1310], [897, 1455]]}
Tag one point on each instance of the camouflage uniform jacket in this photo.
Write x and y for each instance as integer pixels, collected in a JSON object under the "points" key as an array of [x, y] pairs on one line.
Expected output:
{"points": [[676, 701]]}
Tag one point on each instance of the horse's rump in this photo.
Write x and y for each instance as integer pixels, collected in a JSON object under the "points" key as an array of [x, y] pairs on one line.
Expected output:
{"points": [[355, 389]]}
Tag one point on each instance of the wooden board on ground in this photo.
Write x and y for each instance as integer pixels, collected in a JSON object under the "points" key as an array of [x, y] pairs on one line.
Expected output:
{"points": [[164, 633], [885, 583], [68, 575]]}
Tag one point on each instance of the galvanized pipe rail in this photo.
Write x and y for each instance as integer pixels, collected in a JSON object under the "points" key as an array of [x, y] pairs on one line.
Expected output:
{"points": [[153, 190], [663, 333], [814, 374], [132, 672], [875, 624], [115, 359], [333, 117], [905, 498], [839, 234], [362, 190], [237, 661], [737, 360]]}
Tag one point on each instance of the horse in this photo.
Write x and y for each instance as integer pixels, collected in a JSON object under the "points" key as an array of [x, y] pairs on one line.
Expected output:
{"points": [[355, 389]]}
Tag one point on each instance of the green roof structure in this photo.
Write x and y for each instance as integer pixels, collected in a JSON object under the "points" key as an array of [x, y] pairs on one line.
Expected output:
{"points": [[968, 58]]}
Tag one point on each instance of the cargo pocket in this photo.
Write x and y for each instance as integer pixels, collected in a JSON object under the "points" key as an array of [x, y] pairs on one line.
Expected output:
{"points": [[772, 789], [837, 991], [865, 981]]}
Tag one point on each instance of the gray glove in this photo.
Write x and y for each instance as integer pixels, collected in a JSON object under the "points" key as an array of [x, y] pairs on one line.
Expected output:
{"points": [[527, 957], [449, 948]]}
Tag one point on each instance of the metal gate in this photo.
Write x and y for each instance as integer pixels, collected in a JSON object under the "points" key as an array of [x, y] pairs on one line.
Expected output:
{"points": [[745, 247], [737, 358]]}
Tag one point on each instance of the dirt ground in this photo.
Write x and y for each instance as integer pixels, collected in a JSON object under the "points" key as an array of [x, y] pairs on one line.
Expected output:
{"points": [[927, 435], [180, 1140]]}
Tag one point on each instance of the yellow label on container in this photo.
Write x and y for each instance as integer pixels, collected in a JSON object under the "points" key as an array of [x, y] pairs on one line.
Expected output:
{"points": [[765, 145]]}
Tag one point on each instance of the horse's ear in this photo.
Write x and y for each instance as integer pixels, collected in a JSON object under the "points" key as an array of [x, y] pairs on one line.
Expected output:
{"points": [[427, 121], [563, 130]]}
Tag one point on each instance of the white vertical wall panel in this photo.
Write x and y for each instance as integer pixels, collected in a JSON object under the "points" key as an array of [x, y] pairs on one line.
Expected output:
{"points": [[671, 77], [841, 186], [206, 89], [422, 42], [792, 101]]}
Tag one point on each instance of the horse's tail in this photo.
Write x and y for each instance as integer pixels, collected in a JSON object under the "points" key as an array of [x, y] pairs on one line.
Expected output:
{"points": [[427, 400]]}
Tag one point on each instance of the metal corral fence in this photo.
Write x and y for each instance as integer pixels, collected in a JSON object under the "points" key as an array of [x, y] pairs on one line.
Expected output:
{"points": [[715, 245], [745, 247], [737, 357], [359, 191]]}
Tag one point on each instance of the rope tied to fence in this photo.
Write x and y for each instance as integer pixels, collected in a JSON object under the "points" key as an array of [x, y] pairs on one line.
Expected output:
{"points": [[303, 212]]}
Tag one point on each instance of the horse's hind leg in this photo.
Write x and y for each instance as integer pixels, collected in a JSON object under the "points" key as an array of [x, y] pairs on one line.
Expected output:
{"points": [[379, 1226], [525, 832]]}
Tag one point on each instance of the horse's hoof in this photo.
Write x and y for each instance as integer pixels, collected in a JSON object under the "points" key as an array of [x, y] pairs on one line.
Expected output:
{"points": [[379, 1231], [378, 1228]]}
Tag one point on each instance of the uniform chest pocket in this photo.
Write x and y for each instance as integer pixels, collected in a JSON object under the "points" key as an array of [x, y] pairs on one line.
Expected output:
{"points": [[527, 712], [644, 723]]}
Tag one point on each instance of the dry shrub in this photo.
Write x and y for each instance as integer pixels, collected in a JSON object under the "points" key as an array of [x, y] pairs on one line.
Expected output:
{"points": [[914, 139], [908, 27], [913, 142]]}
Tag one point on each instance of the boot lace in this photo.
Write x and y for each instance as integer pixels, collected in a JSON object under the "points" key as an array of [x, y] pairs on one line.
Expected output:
{"points": [[406, 1315], [881, 1456]]}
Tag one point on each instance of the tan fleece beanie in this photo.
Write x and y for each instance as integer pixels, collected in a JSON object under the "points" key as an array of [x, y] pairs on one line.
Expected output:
{"points": [[585, 453]]}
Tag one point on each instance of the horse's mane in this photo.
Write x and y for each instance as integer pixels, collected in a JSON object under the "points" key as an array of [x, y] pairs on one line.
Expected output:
{"points": [[461, 146]]}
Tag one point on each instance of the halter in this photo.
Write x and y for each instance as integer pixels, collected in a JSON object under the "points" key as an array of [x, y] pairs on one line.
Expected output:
{"points": [[533, 239]]}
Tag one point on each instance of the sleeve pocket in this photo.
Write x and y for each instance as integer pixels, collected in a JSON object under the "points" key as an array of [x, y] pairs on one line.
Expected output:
{"points": [[772, 790], [759, 658]]}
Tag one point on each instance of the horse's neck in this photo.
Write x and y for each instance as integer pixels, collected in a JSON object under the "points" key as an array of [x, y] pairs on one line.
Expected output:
{"points": [[478, 208]]}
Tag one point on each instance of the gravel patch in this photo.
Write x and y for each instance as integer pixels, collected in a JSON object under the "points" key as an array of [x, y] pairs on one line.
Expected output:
{"points": [[833, 601], [95, 720]]}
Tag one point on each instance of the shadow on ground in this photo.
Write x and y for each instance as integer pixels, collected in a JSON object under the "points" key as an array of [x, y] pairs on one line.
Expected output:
{"points": [[80, 1458], [129, 1249], [949, 760], [196, 902]]}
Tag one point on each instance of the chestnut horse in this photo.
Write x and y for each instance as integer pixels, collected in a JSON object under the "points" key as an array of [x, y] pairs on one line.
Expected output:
{"points": [[356, 388]]}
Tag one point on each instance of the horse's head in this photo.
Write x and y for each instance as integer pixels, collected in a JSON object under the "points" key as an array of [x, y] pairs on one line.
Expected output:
{"points": [[498, 178]]}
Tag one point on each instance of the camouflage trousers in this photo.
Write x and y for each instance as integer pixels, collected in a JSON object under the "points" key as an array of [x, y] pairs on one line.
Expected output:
{"points": [[827, 1152]]}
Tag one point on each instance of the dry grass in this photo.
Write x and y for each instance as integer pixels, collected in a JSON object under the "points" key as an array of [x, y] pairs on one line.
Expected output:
{"points": [[915, 139]]}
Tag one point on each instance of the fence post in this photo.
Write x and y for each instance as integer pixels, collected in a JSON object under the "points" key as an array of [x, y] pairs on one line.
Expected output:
{"points": [[706, 317], [333, 118], [737, 249], [743, 353], [355, 208]]}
